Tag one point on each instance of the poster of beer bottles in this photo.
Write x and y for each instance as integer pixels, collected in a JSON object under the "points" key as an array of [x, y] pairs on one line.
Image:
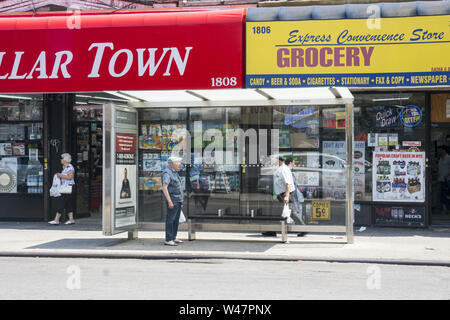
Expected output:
{"points": [[399, 176]]}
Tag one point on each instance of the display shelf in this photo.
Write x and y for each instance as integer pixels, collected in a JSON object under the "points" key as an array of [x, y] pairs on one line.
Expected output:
{"points": [[18, 156], [20, 121], [22, 140]]}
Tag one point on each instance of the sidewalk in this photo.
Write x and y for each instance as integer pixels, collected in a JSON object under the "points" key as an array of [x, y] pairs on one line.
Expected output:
{"points": [[84, 239]]}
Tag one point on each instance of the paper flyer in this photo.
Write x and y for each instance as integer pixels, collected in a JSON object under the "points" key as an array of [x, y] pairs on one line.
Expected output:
{"points": [[398, 176], [333, 177]]}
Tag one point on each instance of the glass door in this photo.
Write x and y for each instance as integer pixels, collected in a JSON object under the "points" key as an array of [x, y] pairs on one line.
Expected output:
{"points": [[82, 169], [88, 159]]}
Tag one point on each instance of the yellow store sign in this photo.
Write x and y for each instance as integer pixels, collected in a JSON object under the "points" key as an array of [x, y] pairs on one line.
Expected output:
{"points": [[402, 52]]}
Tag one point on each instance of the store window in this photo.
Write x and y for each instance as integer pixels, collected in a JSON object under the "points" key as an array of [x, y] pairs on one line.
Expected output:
{"points": [[389, 124], [21, 144]]}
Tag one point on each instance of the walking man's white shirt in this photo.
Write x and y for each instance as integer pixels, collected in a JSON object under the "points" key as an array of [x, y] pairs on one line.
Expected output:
{"points": [[283, 176]]}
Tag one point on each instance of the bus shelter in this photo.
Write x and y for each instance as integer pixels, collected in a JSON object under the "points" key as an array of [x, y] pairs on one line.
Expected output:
{"points": [[230, 141]]}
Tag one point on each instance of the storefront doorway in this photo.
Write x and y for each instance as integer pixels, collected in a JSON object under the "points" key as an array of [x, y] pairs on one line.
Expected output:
{"points": [[440, 141], [88, 159], [440, 137]]}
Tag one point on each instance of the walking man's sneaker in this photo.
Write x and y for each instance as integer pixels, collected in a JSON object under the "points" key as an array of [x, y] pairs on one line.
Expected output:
{"points": [[177, 241], [170, 243]]}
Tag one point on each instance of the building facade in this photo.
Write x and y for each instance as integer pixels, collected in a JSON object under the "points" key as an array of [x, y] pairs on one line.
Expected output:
{"points": [[398, 126]]}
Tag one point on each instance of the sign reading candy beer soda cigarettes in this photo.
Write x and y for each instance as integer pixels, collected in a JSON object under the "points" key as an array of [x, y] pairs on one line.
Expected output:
{"points": [[403, 52]]}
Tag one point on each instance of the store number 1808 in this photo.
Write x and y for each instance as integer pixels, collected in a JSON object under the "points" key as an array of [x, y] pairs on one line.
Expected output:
{"points": [[224, 82]]}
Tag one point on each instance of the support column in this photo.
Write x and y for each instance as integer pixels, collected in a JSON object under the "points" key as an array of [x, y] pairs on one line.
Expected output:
{"points": [[133, 234]]}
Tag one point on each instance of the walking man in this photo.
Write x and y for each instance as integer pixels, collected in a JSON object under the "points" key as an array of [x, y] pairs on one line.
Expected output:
{"points": [[173, 194], [283, 185]]}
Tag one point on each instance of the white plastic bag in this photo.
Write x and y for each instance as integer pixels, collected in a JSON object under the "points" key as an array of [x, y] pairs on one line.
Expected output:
{"points": [[286, 211], [54, 190], [287, 214], [182, 217]]}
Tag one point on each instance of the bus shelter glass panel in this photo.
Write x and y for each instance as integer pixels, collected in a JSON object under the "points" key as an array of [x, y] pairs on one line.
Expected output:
{"points": [[157, 140], [214, 178], [313, 140], [231, 158]]}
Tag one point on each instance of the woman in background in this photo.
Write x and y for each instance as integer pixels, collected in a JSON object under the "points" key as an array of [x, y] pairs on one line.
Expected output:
{"points": [[64, 202]]}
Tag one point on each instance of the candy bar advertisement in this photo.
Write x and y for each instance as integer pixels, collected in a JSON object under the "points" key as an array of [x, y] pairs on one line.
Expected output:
{"points": [[399, 176]]}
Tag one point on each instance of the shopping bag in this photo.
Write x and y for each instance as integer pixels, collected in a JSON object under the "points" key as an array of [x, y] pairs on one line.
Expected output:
{"points": [[65, 188], [182, 217], [286, 211], [54, 190]]}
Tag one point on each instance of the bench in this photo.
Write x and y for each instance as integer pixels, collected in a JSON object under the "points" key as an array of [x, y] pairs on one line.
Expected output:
{"points": [[193, 226]]}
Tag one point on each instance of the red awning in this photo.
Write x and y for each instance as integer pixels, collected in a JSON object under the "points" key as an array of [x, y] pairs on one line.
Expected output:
{"points": [[141, 51]]}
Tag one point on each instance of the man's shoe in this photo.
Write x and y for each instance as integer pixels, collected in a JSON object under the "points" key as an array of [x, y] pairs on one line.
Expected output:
{"points": [[177, 241], [53, 223], [302, 234], [170, 243], [269, 234]]}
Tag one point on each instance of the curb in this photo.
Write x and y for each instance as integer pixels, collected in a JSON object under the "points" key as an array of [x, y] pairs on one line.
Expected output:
{"points": [[196, 256]]}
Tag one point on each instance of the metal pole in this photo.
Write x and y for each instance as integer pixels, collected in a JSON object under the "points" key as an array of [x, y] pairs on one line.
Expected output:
{"points": [[132, 234], [349, 144]]}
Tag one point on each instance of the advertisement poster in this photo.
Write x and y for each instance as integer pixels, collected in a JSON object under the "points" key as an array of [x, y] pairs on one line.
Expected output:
{"points": [[125, 176], [151, 162], [399, 215], [383, 139], [329, 119], [359, 157], [386, 117], [399, 176], [147, 142], [333, 177], [150, 183], [340, 120], [345, 52], [173, 136], [8, 175], [411, 116], [320, 210], [305, 178]]}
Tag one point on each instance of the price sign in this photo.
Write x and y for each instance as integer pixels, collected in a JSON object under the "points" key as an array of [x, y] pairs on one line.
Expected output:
{"points": [[320, 210]]}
